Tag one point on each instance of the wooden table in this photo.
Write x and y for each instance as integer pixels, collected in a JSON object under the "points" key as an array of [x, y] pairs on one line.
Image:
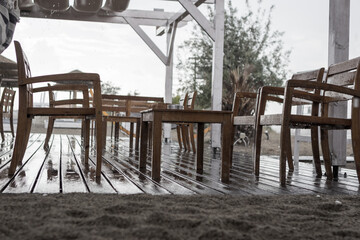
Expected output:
{"points": [[158, 116]]}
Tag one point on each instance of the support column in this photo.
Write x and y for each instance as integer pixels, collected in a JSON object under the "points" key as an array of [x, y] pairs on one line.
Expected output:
{"points": [[339, 25], [217, 70], [168, 83]]}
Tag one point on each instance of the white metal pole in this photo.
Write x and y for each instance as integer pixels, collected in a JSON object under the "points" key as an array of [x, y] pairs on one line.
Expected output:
{"points": [[339, 25], [168, 84]]}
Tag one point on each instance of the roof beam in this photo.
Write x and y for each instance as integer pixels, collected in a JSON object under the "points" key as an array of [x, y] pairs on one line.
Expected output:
{"points": [[207, 1], [179, 16], [146, 18], [133, 23], [199, 17]]}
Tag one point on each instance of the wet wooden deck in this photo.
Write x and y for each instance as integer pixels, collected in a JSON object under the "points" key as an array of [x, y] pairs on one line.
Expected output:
{"points": [[62, 170]]}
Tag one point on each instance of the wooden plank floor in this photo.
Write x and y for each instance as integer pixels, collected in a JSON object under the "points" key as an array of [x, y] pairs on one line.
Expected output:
{"points": [[62, 170]]}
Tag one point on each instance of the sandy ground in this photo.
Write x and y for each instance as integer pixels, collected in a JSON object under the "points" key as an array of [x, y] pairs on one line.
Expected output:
{"points": [[91, 216]]}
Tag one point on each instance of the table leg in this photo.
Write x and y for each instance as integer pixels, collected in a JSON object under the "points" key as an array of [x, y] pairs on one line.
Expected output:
{"points": [[117, 129], [226, 149], [200, 148], [131, 138], [143, 146], [156, 147]]}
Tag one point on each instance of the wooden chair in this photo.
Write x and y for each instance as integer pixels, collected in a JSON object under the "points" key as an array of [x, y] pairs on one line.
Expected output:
{"points": [[342, 84], [27, 111], [287, 120], [7, 105], [242, 100], [66, 103], [122, 108], [184, 130]]}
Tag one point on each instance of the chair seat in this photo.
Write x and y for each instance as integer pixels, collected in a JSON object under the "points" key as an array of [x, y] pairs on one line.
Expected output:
{"points": [[307, 121], [61, 111], [121, 118]]}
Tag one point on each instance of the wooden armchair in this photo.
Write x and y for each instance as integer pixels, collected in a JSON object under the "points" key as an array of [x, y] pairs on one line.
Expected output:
{"points": [[7, 105], [300, 95], [122, 108], [186, 130], [27, 111], [342, 84]]}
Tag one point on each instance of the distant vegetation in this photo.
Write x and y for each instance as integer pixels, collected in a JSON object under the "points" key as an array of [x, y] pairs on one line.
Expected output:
{"points": [[254, 56]]}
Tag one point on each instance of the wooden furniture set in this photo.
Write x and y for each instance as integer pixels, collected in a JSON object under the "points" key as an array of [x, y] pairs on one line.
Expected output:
{"points": [[341, 84], [127, 109], [155, 118]]}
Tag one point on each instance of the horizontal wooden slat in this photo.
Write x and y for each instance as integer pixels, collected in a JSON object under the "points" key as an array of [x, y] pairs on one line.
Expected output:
{"points": [[322, 121], [244, 120], [308, 75], [343, 79], [68, 101], [60, 111], [121, 119], [301, 120], [62, 87], [139, 98], [271, 119], [343, 66]]}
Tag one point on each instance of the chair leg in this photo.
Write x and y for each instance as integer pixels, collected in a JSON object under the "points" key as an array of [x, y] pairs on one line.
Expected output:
{"points": [[315, 150], [137, 138], [355, 129], [183, 137], [12, 125], [289, 155], [187, 139], [22, 137], [326, 153], [99, 146], [104, 130], [191, 128], [2, 128], [87, 139], [179, 135], [257, 150], [284, 138], [49, 132]]}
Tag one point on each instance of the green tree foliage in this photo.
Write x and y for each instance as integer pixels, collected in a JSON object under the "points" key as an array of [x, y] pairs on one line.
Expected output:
{"points": [[254, 56], [109, 88]]}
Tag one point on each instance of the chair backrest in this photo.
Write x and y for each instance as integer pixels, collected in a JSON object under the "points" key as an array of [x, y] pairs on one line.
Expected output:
{"points": [[68, 102], [129, 105], [188, 100], [7, 100], [344, 74], [22, 63]]}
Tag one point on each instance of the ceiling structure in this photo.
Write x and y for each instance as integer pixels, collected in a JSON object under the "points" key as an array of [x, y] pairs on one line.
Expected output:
{"points": [[166, 23]]}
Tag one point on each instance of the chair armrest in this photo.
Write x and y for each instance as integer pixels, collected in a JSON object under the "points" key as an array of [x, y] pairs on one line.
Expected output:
{"points": [[70, 78], [323, 86]]}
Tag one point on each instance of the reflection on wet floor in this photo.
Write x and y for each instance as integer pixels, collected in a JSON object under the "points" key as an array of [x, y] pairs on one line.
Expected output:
{"points": [[63, 170]]}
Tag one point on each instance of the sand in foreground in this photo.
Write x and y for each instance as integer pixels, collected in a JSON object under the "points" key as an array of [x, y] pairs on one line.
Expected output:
{"points": [[94, 216]]}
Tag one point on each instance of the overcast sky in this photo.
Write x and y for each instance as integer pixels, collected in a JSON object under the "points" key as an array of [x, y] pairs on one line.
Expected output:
{"points": [[120, 56]]}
